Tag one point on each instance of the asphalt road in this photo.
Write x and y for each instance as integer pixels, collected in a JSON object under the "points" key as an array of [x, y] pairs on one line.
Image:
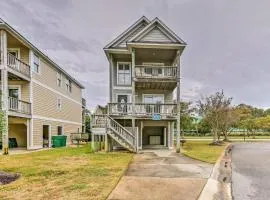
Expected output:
{"points": [[251, 171]]}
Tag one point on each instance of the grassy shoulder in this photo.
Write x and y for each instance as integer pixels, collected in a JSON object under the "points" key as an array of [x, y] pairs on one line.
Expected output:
{"points": [[201, 150], [230, 137], [64, 173]]}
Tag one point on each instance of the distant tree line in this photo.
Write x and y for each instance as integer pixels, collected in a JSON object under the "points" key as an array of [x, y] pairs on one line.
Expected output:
{"points": [[215, 114]]}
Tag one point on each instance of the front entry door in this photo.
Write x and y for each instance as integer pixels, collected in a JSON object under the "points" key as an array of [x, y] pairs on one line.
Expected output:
{"points": [[122, 103], [14, 95]]}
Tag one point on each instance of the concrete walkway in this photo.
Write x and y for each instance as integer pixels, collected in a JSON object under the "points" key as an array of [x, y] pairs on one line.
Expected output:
{"points": [[162, 174]]}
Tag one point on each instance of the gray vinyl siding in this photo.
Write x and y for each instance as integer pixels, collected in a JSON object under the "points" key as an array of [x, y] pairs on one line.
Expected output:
{"points": [[156, 35], [168, 95]]}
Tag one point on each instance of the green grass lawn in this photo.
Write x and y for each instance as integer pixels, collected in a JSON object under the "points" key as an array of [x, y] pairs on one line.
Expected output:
{"points": [[64, 173], [201, 150], [230, 137]]}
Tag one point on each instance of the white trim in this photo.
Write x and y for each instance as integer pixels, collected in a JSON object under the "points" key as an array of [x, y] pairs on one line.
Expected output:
{"points": [[19, 87], [55, 120], [122, 87], [129, 63], [155, 45], [55, 91], [143, 18], [17, 50]]}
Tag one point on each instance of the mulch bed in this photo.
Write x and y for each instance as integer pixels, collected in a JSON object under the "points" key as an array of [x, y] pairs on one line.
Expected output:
{"points": [[6, 178]]}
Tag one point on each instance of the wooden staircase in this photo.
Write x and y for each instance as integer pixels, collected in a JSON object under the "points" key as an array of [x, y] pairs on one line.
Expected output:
{"points": [[116, 131]]}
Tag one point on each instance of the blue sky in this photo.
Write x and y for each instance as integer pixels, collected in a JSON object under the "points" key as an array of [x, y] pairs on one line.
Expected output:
{"points": [[228, 41]]}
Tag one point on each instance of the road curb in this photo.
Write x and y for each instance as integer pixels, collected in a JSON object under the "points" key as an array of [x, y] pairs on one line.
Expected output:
{"points": [[218, 185]]}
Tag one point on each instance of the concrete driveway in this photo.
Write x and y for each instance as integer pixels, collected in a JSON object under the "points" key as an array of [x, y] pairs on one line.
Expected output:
{"points": [[251, 171], [162, 174]]}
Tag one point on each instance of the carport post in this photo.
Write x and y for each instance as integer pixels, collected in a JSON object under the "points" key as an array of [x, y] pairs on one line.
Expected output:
{"points": [[4, 90]]}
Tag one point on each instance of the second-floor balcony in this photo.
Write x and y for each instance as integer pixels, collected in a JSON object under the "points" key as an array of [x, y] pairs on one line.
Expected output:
{"points": [[18, 106], [143, 109], [18, 67], [156, 73]]}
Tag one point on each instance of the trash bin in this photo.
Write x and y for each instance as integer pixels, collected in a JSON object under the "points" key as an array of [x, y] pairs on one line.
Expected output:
{"points": [[12, 143], [59, 141]]}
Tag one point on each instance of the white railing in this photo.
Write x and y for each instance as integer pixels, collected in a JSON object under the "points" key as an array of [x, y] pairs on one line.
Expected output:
{"points": [[121, 131], [145, 71], [17, 105], [18, 65], [142, 109]]}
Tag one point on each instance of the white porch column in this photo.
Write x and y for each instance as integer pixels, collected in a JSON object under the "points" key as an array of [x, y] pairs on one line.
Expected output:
{"points": [[4, 89], [141, 131], [178, 105], [172, 135], [133, 89], [165, 138], [31, 62], [106, 142]]}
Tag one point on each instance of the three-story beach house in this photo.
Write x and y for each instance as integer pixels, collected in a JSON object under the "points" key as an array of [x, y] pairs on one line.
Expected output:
{"points": [[39, 97], [143, 108]]}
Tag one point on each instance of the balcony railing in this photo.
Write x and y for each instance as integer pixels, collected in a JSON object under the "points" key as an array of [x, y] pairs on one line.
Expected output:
{"points": [[156, 72], [142, 109], [18, 65], [16, 105]]}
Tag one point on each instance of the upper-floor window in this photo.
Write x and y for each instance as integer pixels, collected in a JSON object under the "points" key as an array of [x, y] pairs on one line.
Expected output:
{"points": [[68, 85], [123, 74], [59, 103], [36, 64], [59, 79]]}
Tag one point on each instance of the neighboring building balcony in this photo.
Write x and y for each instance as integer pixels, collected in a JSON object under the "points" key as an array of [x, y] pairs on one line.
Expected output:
{"points": [[18, 67], [143, 110], [18, 107]]}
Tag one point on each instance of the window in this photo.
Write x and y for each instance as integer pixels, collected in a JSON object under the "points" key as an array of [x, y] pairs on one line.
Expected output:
{"points": [[68, 85], [36, 64], [59, 103], [59, 79], [153, 69], [123, 74], [59, 130], [153, 102]]}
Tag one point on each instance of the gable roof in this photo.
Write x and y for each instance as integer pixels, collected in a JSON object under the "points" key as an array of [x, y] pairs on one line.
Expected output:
{"points": [[9, 28], [145, 31], [156, 32], [120, 41]]}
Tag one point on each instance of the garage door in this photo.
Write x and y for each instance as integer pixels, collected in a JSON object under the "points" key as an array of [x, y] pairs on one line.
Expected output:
{"points": [[153, 136]]}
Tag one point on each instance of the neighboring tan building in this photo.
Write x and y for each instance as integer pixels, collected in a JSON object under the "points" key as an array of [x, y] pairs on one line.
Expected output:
{"points": [[144, 65], [41, 98]]}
